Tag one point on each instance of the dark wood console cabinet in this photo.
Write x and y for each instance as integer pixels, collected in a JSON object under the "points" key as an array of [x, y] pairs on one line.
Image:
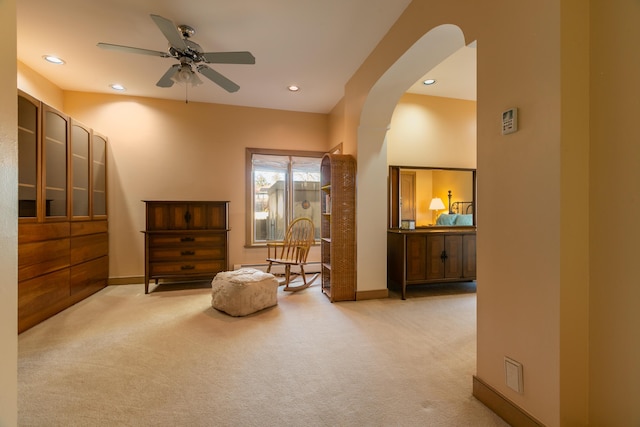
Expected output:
{"points": [[185, 240], [430, 255]]}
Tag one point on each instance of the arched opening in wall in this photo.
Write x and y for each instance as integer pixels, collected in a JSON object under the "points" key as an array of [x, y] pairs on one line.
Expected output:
{"points": [[374, 145]]}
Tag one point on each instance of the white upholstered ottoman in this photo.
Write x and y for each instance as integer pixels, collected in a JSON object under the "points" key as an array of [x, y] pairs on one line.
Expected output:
{"points": [[244, 291]]}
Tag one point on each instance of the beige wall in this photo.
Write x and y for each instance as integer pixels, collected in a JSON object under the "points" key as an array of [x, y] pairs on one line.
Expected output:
{"points": [[39, 87], [432, 131], [574, 217], [161, 149], [8, 217], [614, 173]]}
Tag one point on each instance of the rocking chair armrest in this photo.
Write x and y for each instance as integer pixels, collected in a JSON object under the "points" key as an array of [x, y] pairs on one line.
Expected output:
{"points": [[273, 246]]}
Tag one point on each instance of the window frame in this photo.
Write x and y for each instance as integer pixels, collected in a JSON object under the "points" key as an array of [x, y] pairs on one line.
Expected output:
{"points": [[249, 152]]}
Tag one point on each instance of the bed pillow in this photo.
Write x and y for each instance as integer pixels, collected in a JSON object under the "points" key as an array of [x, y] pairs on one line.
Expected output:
{"points": [[464, 219], [446, 219]]}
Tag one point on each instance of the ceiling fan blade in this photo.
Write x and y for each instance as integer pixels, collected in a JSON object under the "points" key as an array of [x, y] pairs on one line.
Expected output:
{"points": [[218, 78], [229, 58], [170, 31], [128, 49], [166, 81]]}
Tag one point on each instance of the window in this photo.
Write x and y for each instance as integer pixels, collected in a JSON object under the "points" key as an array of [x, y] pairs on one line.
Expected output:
{"points": [[281, 186]]}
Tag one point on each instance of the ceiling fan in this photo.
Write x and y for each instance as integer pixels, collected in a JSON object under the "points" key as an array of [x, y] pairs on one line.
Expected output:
{"points": [[190, 54]]}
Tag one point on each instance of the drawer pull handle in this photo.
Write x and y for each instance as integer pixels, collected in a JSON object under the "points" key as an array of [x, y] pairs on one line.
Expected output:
{"points": [[187, 253], [187, 239], [187, 267]]}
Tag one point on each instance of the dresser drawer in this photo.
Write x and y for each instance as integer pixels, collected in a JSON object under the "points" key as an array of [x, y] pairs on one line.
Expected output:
{"points": [[191, 239], [186, 268], [186, 253]]}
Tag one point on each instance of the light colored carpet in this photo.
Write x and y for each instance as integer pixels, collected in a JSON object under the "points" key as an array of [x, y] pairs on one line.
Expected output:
{"points": [[123, 358]]}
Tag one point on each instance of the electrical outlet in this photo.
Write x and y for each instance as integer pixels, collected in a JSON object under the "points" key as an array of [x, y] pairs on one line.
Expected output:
{"points": [[513, 374]]}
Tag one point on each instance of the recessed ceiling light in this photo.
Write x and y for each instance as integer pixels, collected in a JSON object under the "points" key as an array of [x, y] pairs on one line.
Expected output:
{"points": [[53, 59], [429, 82], [293, 88], [117, 86]]}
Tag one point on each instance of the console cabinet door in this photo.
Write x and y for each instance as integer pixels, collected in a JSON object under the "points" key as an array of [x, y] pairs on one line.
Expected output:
{"points": [[453, 256], [444, 257], [435, 250], [416, 255], [469, 256]]}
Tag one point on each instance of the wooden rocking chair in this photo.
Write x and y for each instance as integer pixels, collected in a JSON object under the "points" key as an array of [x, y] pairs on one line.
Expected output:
{"points": [[293, 250]]}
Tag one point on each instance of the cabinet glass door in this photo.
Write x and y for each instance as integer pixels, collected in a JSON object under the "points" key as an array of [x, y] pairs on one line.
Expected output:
{"points": [[27, 158], [99, 175], [55, 163], [80, 137]]}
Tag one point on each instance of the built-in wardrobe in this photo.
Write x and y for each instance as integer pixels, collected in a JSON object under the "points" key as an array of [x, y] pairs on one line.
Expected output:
{"points": [[63, 245]]}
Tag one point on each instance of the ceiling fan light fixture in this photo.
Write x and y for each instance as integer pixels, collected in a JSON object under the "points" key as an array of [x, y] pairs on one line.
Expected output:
{"points": [[195, 80], [186, 75]]}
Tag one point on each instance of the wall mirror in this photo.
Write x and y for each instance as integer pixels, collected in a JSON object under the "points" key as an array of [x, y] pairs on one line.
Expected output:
{"points": [[415, 194]]}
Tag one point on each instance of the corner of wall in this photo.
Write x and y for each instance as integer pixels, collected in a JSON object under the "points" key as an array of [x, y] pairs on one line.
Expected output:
{"points": [[37, 86]]}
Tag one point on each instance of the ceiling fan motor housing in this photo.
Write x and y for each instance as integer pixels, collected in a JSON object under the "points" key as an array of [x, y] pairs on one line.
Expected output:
{"points": [[193, 51], [186, 31]]}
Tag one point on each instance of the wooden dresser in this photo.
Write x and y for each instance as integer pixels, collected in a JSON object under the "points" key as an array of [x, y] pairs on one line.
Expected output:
{"points": [[430, 255], [185, 240]]}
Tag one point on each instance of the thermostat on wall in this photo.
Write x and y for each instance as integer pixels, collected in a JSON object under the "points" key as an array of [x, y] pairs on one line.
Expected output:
{"points": [[509, 121]]}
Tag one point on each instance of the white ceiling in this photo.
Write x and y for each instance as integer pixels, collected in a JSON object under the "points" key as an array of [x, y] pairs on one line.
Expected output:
{"points": [[455, 76], [317, 45]]}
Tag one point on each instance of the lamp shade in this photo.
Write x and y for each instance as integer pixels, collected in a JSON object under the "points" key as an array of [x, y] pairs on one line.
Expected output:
{"points": [[436, 204]]}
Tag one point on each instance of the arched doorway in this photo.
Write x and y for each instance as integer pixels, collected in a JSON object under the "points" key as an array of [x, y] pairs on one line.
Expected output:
{"points": [[426, 53]]}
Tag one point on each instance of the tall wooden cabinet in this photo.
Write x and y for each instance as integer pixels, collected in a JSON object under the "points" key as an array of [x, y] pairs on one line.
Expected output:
{"points": [[185, 240], [338, 227], [62, 227]]}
